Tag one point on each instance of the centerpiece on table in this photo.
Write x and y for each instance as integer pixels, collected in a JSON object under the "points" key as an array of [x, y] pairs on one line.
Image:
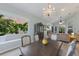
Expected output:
{"points": [[45, 42]]}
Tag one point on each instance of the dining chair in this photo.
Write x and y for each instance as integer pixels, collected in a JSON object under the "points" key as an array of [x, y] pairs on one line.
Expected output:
{"points": [[49, 33], [71, 49], [26, 39], [53, 37], [36, 37]]}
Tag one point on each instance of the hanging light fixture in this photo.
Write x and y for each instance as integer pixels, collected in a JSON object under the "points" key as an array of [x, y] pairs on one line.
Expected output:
{"points": [[60, 20], [48, 11]]}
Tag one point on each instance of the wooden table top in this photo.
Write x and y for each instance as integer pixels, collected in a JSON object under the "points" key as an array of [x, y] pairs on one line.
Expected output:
{"points": [[38, 49], [63, 37]]}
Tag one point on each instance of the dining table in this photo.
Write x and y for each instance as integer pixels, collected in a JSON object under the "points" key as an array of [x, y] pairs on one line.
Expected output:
{"points": [[38, 49]]}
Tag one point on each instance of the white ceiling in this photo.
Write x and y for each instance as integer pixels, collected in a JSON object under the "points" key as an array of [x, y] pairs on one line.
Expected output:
{"points": [[36, 9]]}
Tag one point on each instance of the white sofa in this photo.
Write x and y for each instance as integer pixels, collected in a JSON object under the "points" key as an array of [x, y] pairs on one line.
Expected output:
{"points": [[10, 48]]}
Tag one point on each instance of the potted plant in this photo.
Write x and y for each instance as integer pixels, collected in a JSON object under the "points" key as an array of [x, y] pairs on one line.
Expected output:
{"points": [[61, 30], [9, 26], [23, 27]]}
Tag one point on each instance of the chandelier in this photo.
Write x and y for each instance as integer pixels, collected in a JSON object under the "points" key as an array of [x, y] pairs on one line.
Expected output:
{"points": [[48, 11]]}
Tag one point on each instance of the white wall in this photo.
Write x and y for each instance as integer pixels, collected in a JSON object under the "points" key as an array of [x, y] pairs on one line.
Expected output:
{"points": [[31, 22], [73, 21]]}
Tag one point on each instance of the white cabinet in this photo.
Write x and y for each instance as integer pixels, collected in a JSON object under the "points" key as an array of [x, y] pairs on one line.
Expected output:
{"points": [[10, 47], [2, 38], [14, 52]]}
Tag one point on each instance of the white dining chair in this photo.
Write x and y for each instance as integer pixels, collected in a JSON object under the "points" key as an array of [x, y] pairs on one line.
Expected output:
{"points": [[36, 37], [53, 37], [71, 49], [26, 39]]}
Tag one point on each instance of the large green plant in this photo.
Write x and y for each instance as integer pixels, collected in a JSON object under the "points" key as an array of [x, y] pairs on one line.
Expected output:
{"points": [[61, 30], [10, 26], [3, 29], [23, 27]]}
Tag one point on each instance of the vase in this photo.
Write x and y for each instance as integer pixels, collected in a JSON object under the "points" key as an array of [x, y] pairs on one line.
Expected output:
{"points": [[45, 42]]}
